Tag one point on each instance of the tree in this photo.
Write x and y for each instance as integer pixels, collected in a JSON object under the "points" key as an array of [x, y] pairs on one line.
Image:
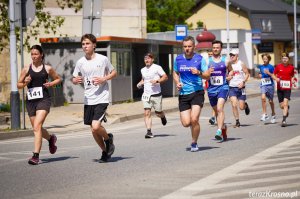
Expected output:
{"points": [[43, 20], [163, 15], [292, 2]]}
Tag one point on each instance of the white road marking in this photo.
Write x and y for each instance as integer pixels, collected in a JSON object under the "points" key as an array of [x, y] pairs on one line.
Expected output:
{"points": [[208, 183]]}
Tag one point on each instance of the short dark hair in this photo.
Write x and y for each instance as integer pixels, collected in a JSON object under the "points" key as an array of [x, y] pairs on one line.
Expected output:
{"points": [[149, 54], [267, 55], [39, 48], [91, 37], [189, 38], [217, 42]]}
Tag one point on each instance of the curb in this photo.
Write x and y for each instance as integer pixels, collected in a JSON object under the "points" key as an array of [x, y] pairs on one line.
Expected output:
{"points": [[114, 120]]}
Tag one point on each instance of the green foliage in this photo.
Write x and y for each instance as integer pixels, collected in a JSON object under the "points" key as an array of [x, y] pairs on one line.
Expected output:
{"points": [[43, 21], [199, 24], [4, 108], [163, 15], [292, 2]]}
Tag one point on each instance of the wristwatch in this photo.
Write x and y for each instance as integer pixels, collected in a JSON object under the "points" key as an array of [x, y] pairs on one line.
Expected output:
{"points": [[200, 72]]}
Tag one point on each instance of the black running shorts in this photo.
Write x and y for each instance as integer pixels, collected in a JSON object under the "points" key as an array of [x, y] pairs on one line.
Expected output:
{"points": [[38, 104], [281, 94], [186, 101], [94, 112]]}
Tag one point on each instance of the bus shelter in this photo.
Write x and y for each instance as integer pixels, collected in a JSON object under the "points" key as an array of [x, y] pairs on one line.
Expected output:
{"points": [[125, 54]]}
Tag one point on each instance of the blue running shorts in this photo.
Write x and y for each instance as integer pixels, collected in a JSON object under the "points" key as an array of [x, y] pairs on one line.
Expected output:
{"points": [[213, 97], [239, 93]]}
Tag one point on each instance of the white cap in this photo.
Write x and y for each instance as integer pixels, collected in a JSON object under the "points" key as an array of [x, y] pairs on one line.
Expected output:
{"points": [[234, 51]]}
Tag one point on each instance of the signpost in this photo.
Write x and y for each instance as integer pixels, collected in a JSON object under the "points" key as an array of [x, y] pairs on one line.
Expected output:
{"points": [[181, 32]]}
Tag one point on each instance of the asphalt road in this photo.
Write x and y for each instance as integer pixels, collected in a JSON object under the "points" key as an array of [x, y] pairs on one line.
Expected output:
{"points": [[258, 159]]}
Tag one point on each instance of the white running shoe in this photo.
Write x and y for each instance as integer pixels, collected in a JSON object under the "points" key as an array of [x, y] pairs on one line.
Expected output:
{"points": [[273, 119], [264, 117]]}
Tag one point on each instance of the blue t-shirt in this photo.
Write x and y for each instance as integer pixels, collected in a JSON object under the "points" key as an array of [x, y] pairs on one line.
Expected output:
{"points": [[265, 78], [191, 83], [217, 80]]}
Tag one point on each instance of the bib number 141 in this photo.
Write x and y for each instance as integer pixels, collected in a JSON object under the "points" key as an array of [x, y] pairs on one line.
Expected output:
{"points": [[35, 93]]}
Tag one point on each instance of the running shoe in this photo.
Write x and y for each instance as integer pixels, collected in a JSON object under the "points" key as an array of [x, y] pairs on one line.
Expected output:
{"points": [[33, 161], [164, 120], [264, 117], [224, 132], [212, 120], [283, 124], [104, 157], [52, 141], [194, 147], [109, 144], [247, 109], [237, 124], [218, 135], [149, 135], [273, 119]]}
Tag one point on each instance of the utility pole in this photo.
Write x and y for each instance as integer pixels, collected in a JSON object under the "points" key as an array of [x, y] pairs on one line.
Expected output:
{"points": [[295, 36], [227, 25], [14, 95]]}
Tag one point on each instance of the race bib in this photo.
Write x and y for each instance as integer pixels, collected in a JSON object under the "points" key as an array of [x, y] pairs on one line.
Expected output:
{"points": [[216, 80], [243, 91], [266, 81], [146, 97], [285, 84], [89, 83], [35, 93]]}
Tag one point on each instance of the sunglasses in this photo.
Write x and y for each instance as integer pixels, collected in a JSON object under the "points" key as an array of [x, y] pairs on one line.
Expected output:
{"points": [[232, 55]]}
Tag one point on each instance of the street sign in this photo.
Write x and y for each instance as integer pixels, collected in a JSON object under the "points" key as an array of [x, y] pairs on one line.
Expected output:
{"points": [[256, 36], [181, 32], [26, 9]]}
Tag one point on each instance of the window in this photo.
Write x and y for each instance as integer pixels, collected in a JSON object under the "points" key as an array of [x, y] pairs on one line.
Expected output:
{"points": [[121, 61], [266, 25]]}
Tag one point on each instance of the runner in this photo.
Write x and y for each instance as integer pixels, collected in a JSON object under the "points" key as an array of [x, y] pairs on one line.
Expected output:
{"points": [[267, 87], [94, 70], [218, 88], [237, 92], [38, 100], [188, 73], [283, 75], [152, 76]]}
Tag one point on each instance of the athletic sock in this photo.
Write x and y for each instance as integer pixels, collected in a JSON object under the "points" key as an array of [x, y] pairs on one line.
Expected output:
{"points": [[148, 130], [36, 155], [284, 118]]}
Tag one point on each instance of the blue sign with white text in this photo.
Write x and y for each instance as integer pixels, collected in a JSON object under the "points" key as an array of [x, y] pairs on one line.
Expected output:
{"points": [[181, 32]]}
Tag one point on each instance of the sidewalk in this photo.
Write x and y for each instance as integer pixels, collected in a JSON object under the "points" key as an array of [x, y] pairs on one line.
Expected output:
{"points": [[70, 118]]}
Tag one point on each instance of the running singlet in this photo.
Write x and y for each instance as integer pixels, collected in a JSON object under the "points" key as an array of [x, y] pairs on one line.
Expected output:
{"points": [[285, 74], [266, 79], [36, 89], [191, 83], [238, 74], [217, 79]]}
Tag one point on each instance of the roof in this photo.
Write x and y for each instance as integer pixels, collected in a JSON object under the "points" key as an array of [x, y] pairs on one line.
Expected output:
{"points": [[261, 5], [269, 16]]}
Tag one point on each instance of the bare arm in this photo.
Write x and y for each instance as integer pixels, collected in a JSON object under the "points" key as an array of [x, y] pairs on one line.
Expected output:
{"points": [[176, 80], [56, 79], [24, 79]]}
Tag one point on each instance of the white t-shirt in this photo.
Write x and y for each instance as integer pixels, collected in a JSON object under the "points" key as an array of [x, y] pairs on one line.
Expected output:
{"points": [[238, 74], [99, 66], [154, 72]]}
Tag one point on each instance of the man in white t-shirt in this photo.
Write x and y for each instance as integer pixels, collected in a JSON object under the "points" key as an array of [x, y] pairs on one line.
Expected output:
{"points": [[152, 76], [94, 70], [237, 92]]}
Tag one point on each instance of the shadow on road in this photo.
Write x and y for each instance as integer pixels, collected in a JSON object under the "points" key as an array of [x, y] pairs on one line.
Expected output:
{"points": [[48, 160]]}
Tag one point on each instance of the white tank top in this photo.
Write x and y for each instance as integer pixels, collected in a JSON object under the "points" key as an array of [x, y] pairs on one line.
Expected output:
{"points": [[238, 74]]}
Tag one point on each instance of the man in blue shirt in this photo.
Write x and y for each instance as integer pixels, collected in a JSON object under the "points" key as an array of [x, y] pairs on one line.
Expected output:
{"points": [[267, 87], [189, 69], [218, 87]]}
